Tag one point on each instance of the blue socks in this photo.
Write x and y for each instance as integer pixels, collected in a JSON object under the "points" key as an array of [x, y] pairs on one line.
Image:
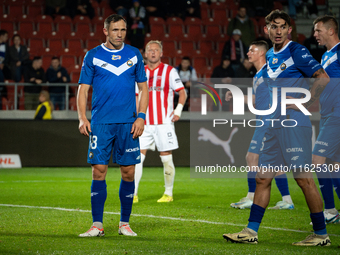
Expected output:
{"points": [[98, 197], [336, 181], [126, 192], [282, 184], [326, 187], [255, 218], [319, 224], [251, 181]]}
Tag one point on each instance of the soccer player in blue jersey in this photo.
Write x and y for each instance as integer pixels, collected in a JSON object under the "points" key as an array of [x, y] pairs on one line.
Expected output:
{"points": [[112, 69], [257, 56], [288, 145], [328, 141]]}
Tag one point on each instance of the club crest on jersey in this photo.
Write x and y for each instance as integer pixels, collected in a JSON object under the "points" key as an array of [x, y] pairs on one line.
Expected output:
{"points": [[325, 58], [116, 57], [91, 155], [328, 62], [129, 63], [283, 66], [275, 60]]}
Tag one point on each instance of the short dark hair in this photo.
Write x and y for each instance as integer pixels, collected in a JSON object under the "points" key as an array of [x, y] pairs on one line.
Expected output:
{"points": [[277, 14], [261, 43], [16, 35], [328, 21], [3, 32], [113, 18], [55, 58], [186, 58], [36, 58]]}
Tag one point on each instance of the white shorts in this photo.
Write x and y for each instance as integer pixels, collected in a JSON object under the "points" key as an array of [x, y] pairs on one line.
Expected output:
{"points": [[163, 136]]}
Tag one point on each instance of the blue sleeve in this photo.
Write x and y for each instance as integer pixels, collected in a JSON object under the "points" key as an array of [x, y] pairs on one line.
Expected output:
{"points": [[87, 69], [303, 60], [140, 70]]}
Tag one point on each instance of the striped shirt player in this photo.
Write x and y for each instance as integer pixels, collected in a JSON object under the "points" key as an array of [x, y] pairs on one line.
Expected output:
{"points": [[163, 81], [327, 144], [112, 69]]}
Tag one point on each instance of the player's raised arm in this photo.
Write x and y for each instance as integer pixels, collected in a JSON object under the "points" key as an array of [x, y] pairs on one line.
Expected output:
{"points": [[321, 80], [84, 124], [138, 125]]}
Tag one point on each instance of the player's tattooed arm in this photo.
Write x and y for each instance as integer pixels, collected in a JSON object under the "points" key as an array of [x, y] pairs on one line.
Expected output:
{"points": [[321, 80]]}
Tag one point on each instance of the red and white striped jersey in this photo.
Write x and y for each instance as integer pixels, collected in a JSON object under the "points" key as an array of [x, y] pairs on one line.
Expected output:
{"points": [[163, 81]]}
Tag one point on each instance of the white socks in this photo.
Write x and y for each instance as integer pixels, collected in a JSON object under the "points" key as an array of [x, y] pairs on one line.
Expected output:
{"points": [[169, 173], [139, 173], [287, 199], [98, 224], [250, 195]]}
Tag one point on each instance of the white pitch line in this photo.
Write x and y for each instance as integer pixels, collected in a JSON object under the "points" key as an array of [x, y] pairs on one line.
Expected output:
{"points": [[34, 181], [156, 217]]}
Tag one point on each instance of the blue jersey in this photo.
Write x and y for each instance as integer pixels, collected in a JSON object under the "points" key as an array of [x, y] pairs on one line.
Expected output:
{"points": [[261, 92], [287, 68], [330, 97], [112, 74]]}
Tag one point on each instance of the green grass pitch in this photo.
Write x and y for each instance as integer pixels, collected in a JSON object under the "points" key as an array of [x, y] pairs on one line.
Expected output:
{"points": [[51, 206]]}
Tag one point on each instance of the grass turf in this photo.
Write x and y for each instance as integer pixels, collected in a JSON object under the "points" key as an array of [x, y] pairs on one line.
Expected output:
{"points": [[192, 224]]}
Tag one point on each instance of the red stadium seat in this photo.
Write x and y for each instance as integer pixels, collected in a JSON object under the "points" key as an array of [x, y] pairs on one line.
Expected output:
{"points": [[16, 10], [205, 14], [92, 43], [80, 19], [220, 16], [199, 63], [194, 32], [156, 21], [157, 32], [73, 104], [206, 48], [107, 12], [98, 20], [192, 21], [220, 45], [187, 48], [169, 48], [68, 61], [25, 29], [34, 10], [8, 26], [166, 60], [55, 46], [74, 47], [34, 2], [44, 29], [65, 29], [62, 19], [216, 61], [213, 32], [46, 59], [35, 45], [176, 32], [43, 18], [174, 20], [83, 30], [218, 6]]}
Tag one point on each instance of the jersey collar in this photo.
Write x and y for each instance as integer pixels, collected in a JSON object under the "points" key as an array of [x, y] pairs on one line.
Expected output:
{"points": [[155, 68], [109, 50], [277, 52], [333, 47]]}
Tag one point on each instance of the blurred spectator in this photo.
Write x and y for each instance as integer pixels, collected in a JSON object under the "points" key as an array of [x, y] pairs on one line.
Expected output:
{"points": [[308, 8], [45, 108], [18, 58], [243, 23], [80, 7], [121, 7], [223, 74], [183, 9], [258, 8], [188, 76], [155, 8], [234, 49], [4, 73], [314, 48], [193, 8], [246, 70], [35, 75], [57, 74], [56, 7], [137, 17]]}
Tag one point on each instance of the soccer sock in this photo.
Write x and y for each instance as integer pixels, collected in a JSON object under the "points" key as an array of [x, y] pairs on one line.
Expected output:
{"points": [[282, 185], [126, 190], [319, 225], [98, 197], [169, 173], [139, 173], [326, 187], [255, 218], [335, 174], [251, 184]]}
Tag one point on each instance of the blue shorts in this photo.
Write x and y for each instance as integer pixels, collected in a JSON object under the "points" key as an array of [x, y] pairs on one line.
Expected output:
{"points": [[115, 139], [328, 141], [256, 141], [291, 147]]}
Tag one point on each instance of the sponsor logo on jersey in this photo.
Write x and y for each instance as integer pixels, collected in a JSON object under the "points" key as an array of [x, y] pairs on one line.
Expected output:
{"points": [[275, 60], [322, 150], [253, 147], [306, 55], [325, 58], [91, 155], [104, 65], [295, 149], [130, 196], [132, 149], [178, 80], [94, 193], [129, 63], [328, 62], [322, 143], [295, 158], [253, 141], [138, 157], [156, 88], [283, 66], [116, 57]]}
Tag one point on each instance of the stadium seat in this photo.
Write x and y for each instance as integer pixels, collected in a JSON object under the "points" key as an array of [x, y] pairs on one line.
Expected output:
{"points": [[215, 61], [44, 29], [157, 32], [16, 10], [34, 2], [220, 46], [220, 16], [205, 14], [187, 48], [176, 61], [80, 19], [8, 26], [74, 47], [62, 19], [192, 21], [175, 32], [218, 5], [34, 10], [68, 61], [107, 11], [206, 48], [213, 32], [35, 46], [55, 46], [200, 64], [156, 21], [25, 29], [301, 38], [65, 29], [174, 20], [98, 20], [194, 32], [43, 18], [73, 104], [166, 60], [46, 59], [92, 43], [169, 48]]}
